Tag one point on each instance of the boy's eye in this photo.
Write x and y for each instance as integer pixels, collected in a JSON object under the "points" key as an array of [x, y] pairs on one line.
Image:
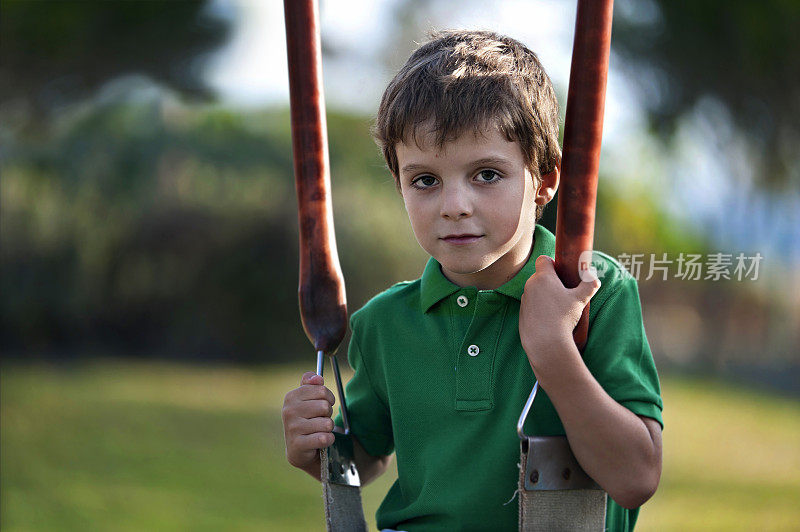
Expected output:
{"points": [[488, 176], [424, 181]]}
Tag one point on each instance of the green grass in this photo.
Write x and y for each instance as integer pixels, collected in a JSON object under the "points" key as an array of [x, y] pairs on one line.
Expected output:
{"points": [[140, 446]]}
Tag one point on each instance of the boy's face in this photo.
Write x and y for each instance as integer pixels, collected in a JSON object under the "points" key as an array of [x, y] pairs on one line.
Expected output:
{"points": [[477, 187]]}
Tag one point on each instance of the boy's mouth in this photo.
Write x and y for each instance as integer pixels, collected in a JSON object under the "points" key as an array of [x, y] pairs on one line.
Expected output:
{"points": [[461, 239]]}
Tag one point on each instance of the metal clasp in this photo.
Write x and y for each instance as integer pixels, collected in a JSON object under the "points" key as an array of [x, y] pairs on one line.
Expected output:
{"points": [[341, 455]]}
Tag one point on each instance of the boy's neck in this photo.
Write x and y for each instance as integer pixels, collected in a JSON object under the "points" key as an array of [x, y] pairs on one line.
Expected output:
{"points": [[496, 275]]}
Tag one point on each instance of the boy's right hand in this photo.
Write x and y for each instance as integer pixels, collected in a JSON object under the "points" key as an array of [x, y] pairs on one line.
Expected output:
{"points": [[307, 423]]}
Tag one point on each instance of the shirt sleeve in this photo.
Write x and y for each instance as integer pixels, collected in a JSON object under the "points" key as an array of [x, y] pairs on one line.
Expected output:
{"points": [[369, 417], [617, 352]]}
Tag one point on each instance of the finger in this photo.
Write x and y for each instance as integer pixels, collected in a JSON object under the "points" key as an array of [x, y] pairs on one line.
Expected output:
{"points": [[329, 396], [309, 377], [544, 263], [315, 408], [317, 440], [585, 290], [310, 392], [317, 424]]}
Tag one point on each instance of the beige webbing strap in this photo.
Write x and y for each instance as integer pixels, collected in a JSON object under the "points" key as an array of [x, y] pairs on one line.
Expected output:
{"points": [[341, 488], [555, 493]]}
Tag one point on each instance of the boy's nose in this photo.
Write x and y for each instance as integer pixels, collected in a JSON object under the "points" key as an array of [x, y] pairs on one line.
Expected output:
{"points": [[456, 203]]}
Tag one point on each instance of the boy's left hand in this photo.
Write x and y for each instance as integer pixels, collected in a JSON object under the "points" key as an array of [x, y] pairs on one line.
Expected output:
{"points": [[548, 314]]}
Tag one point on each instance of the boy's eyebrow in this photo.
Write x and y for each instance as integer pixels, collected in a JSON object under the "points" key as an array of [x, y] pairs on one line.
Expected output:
{"points": [[411, 167], [486, 161]]}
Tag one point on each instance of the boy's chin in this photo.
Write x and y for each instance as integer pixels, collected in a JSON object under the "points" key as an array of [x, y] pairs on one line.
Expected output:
{"points": [[461, 267]]}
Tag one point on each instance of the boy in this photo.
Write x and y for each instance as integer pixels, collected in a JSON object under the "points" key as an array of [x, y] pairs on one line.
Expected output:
{"points": [[469, 130]]}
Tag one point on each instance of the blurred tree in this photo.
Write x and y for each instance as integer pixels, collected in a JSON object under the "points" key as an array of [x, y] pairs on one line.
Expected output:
{"points": [[55, 52], [740, 53], [148, 226]]}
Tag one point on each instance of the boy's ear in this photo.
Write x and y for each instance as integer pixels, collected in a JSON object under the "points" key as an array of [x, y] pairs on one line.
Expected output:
{"points": [[549, 185]]}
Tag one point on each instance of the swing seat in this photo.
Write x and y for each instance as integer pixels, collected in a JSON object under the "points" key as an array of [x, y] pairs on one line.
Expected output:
{"points": [[341, 487], [555, 492]]}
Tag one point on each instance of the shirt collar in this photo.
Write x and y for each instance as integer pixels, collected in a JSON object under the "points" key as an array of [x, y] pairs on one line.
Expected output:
{"points": [[435, 286]]}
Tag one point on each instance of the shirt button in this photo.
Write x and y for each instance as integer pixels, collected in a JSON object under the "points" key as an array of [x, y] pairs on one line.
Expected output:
{"points": [[473, 350], [462, 301]]}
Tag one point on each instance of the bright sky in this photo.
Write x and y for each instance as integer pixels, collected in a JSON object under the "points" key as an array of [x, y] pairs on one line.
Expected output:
{"points": [[252, 70]]}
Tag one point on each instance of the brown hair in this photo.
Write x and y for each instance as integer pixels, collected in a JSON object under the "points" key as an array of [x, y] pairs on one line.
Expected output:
{"points": [[462, 80]]}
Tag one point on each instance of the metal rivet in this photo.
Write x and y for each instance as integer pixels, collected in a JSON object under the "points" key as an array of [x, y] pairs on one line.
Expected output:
{"points": [[566, 473], [534, 476]]}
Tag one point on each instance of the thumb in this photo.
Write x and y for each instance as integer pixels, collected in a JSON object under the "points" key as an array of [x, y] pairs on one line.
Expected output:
{"points": [[586, 289], [309, 377], [544, 263]]}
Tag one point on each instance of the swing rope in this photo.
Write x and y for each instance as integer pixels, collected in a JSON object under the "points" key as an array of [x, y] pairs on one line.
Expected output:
{"points": [[555, 492], [323, 307]]}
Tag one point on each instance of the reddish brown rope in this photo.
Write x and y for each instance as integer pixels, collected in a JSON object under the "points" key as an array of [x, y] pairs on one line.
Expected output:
{"points": [[583, 131], [323, 308]]}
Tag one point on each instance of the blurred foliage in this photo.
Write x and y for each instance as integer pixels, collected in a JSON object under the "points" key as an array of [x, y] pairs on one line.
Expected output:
{"points": [[55, 52], [144, 225], [148, 226], [133, 222], [141, 446], [739, 53]]}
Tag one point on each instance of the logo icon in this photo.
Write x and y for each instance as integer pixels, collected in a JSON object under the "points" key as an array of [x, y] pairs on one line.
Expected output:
{"points": [[591, 266]]}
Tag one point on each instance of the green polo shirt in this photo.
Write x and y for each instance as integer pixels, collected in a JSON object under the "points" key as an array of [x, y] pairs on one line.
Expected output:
{"points": [[441, 378]]}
